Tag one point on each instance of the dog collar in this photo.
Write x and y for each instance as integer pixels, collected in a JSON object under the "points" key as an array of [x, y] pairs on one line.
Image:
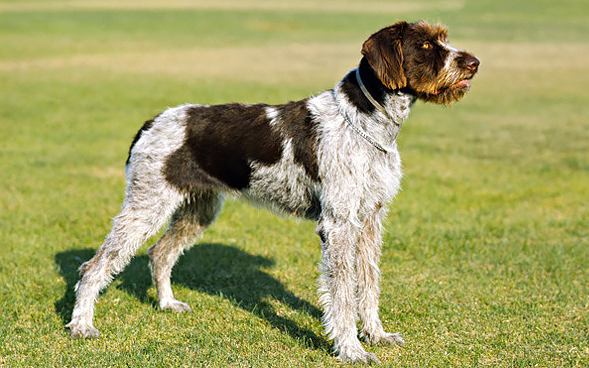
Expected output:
{"points": [[379, 107], [374, 103]]}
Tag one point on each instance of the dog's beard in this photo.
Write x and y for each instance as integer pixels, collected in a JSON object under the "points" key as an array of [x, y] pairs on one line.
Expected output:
{"points": [[446, 96]]}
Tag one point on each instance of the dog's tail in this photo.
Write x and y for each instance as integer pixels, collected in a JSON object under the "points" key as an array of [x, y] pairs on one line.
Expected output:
{"points": [[146, 126]]}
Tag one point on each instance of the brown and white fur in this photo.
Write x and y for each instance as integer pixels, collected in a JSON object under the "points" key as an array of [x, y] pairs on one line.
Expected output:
{"points": [[320, 158]]}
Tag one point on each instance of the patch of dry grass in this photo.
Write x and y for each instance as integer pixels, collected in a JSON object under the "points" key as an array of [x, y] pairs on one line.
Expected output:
{"points": [[284, 63]]}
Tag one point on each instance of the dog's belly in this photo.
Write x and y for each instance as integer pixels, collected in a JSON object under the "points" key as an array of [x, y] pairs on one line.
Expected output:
{"points": [[285, 187]]}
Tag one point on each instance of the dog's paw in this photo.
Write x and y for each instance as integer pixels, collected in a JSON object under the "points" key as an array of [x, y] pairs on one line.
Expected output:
{"points": [[175, 306], [81, 330], [356, 354], [383, 338], [391, 338]]}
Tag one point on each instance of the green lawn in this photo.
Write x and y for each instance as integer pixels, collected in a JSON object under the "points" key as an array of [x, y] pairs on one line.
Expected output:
{"points": [[486, 257]]}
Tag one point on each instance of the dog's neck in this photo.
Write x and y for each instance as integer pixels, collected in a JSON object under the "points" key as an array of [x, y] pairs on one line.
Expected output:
{"points": [[396, 102], [381, 127]]}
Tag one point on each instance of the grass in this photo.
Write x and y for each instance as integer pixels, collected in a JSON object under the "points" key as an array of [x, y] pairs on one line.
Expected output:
{"points": [[485, 261]]}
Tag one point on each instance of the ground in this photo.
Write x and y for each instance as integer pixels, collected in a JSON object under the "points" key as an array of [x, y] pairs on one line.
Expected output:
{"points": [[485, 261]]}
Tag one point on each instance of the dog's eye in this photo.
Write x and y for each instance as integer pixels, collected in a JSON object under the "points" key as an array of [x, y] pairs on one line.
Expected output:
{"points": [[426, 45]]}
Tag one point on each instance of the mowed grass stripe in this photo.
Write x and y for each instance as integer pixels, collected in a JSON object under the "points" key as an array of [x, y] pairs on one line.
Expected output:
{"points": [[296, 58], [236, 5]]}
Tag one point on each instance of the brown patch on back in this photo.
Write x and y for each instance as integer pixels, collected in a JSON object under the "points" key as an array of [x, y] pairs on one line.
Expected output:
{"points": [[221, 142]]}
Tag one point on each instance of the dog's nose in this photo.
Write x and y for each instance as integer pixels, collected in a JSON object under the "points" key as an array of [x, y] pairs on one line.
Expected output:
{"points": [[472, 63]]}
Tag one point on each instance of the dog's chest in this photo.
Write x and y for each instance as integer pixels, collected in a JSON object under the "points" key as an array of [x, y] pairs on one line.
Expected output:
{"points": [[376, 175]]}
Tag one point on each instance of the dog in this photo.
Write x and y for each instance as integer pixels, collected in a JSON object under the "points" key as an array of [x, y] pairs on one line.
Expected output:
{"points": [[330, 158]]}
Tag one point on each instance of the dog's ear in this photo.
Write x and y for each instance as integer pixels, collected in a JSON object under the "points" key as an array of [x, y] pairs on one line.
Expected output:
{"points": [[385, 55]]}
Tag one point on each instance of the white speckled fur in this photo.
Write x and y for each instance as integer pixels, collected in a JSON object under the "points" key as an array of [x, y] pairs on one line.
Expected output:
{"points": [[346, 190], [359, 181], [349, 213], [149, 202]]}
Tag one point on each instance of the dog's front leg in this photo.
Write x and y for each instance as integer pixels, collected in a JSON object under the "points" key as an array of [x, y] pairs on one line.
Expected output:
{"points": [[368, 260], [337, 286]]}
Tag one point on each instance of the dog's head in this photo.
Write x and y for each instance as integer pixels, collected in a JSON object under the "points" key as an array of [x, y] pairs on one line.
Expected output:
{"points": [[416, 57]]}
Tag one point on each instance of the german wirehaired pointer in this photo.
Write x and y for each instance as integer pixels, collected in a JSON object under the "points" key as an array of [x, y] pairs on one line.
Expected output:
{"points": [[331, 158]]}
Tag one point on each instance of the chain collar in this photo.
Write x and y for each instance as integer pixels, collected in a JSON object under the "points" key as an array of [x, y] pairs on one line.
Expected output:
{"points": [[379, 107]]}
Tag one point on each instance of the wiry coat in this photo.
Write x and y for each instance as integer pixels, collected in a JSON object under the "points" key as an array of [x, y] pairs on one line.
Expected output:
{"points": [[331, 158]]}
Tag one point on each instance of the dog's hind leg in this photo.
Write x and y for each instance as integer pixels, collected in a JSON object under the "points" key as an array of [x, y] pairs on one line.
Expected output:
{"points": [[145, 210], [188, 222]]}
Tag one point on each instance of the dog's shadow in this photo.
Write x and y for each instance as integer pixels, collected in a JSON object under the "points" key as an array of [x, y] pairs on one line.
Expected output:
{"points": [[215, 269]]}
